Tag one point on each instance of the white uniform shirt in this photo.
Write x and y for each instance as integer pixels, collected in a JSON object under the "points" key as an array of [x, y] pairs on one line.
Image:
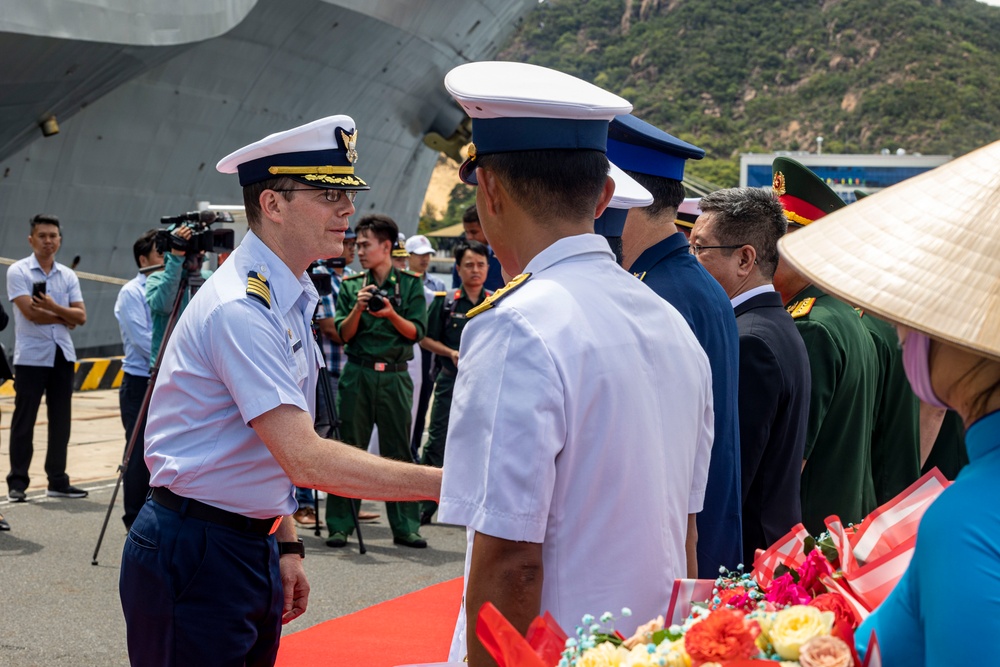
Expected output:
{"points": [[231, 359], [582, 419], [35, 344], [135, 324]]}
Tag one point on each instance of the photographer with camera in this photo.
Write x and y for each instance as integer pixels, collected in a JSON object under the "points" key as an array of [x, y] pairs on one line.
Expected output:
{"points": [[161, 287], [381, 313]]}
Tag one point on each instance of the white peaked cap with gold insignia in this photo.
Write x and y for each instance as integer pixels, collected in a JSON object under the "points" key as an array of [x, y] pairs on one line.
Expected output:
{"points": [[519, 107], [321, 154]]}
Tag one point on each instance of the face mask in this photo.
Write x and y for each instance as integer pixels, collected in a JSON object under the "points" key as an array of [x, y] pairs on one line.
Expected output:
{"points": [[916, 365]]}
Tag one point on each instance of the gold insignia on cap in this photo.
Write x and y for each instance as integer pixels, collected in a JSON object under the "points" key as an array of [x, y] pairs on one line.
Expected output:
{"points": [[472, 151], [778, 184], [492, 299], [335, 180], [351, 141], [258, 288]]}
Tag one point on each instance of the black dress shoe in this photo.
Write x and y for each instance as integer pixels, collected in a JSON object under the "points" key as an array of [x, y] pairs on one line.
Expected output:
{"points": [[412, 540], [3, 523], [17, 496]]}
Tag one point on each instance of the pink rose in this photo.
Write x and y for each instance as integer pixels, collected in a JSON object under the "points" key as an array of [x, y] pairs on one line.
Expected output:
{"points": [[825, 651], [784, 591], [815, 567]]}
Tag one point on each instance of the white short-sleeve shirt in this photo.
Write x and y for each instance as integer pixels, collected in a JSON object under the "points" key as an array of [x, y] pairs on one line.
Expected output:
{"points": [[231, 359], [35, 344], [582, 419]]}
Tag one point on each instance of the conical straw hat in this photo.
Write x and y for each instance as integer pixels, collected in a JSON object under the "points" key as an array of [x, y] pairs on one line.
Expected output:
{"points": [[924, 253]]}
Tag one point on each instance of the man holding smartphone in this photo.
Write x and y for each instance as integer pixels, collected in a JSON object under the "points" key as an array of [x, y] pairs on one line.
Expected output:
{"points": [[49, 304]]}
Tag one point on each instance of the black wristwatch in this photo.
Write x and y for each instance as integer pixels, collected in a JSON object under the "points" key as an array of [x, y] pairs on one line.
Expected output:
{"points": [[296, 547]]}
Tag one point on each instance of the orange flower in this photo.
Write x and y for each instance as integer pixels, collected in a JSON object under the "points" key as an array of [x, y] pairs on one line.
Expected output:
{"points": [[723, 635]]}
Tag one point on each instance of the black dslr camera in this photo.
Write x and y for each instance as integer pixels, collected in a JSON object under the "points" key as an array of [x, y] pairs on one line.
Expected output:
{"points": [[203, 237], [377, 302]]}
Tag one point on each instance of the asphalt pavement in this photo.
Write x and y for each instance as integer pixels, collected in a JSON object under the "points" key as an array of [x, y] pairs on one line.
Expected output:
{"points": [[58, 609]]}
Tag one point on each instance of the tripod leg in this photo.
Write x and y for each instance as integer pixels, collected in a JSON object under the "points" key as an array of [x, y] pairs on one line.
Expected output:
{"points": [[357, 527], [316, 530]]}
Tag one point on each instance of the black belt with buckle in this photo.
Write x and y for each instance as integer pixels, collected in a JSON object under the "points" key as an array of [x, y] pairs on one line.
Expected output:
{"points": [[380, 366], [199, 510]]}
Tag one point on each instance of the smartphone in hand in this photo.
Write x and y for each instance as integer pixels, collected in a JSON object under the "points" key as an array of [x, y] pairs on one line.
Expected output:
{"points": [[38, 289]]}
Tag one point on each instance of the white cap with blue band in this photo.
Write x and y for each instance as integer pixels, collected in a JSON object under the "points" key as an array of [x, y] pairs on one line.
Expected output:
{"points": [[520, 107]]}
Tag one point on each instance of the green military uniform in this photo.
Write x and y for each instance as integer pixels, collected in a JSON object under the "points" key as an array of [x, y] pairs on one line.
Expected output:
{"points": [[838, 476], [445, 322], [375, 387], [896, 428]]}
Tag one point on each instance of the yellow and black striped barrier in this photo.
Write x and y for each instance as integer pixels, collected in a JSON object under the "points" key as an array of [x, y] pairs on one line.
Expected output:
{"points": [[90, 374]]}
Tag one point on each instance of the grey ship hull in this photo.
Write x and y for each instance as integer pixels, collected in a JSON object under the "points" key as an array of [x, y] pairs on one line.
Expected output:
{"points": [[140, 133]]}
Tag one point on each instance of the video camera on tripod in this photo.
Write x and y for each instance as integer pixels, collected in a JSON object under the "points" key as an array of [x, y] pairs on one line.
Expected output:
{"points": [[203, 237]]}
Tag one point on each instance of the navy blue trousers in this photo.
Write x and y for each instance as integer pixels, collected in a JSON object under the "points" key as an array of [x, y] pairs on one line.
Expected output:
{"points": [[136, 478], [196, 593]]}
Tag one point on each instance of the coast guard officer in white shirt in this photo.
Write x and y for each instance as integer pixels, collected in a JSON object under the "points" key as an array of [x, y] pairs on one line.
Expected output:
{"points": [[210, 571], [570, 467]]}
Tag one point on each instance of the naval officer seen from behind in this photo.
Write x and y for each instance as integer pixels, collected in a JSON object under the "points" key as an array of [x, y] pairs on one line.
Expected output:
{"points": [[210, 571], [572, 470]]}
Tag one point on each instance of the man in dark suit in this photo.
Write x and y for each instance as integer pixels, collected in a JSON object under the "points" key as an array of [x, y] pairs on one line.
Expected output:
{"points": [[735, 238]]}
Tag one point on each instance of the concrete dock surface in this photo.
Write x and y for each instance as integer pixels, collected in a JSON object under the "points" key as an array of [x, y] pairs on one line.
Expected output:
{"points": [[57, 609]]}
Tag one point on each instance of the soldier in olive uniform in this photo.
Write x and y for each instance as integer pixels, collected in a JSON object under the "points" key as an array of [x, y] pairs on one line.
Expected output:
{"points": [[375, 387], [896, 426], [837, 467], [445, 322]]}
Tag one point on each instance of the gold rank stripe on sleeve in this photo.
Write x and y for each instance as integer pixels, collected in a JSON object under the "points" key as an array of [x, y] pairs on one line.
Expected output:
{"points": [[492, 299], [259, 289], [640, 276], [801, 308], [859, 311]]}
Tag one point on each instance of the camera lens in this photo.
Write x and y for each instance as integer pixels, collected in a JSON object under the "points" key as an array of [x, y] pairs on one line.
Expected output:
{"points": [[376, 303]]}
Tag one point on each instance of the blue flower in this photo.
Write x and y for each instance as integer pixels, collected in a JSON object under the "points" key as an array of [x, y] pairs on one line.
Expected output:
{"points": [[626, 612], [588, 619]]}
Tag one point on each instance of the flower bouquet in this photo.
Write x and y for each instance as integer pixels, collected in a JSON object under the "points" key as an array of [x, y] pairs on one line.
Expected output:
{"points": [[799, 606]]}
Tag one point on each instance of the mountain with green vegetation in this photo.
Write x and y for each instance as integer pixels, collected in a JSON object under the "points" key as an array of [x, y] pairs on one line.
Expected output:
{"points": [[738, 76]]}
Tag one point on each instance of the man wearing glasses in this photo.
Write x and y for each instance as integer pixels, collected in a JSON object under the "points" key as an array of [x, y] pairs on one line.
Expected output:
{"points": [[736, 239], [210, 570]]}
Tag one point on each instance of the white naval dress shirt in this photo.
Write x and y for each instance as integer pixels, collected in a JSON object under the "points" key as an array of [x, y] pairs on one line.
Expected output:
{"points": [[582, 419], [229, 360], [35, 344]]}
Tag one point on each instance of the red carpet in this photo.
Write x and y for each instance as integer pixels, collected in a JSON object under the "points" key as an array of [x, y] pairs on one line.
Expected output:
{"points": [[411, 629]]}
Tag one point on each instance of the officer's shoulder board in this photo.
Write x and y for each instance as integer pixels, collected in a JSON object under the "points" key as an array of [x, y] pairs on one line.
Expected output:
{"points": [[859, 311], [440, 295], [801, 308], [353, 276], [412, 274], [494, 298], [258, 288]]}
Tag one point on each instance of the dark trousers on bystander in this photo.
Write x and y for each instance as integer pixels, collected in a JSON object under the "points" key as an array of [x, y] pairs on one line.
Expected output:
{"points": [[136, 479], [30, 384]]}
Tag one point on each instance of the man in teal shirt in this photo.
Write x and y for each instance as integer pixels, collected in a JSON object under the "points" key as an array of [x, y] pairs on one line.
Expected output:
{"points": [[162, 286]]}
